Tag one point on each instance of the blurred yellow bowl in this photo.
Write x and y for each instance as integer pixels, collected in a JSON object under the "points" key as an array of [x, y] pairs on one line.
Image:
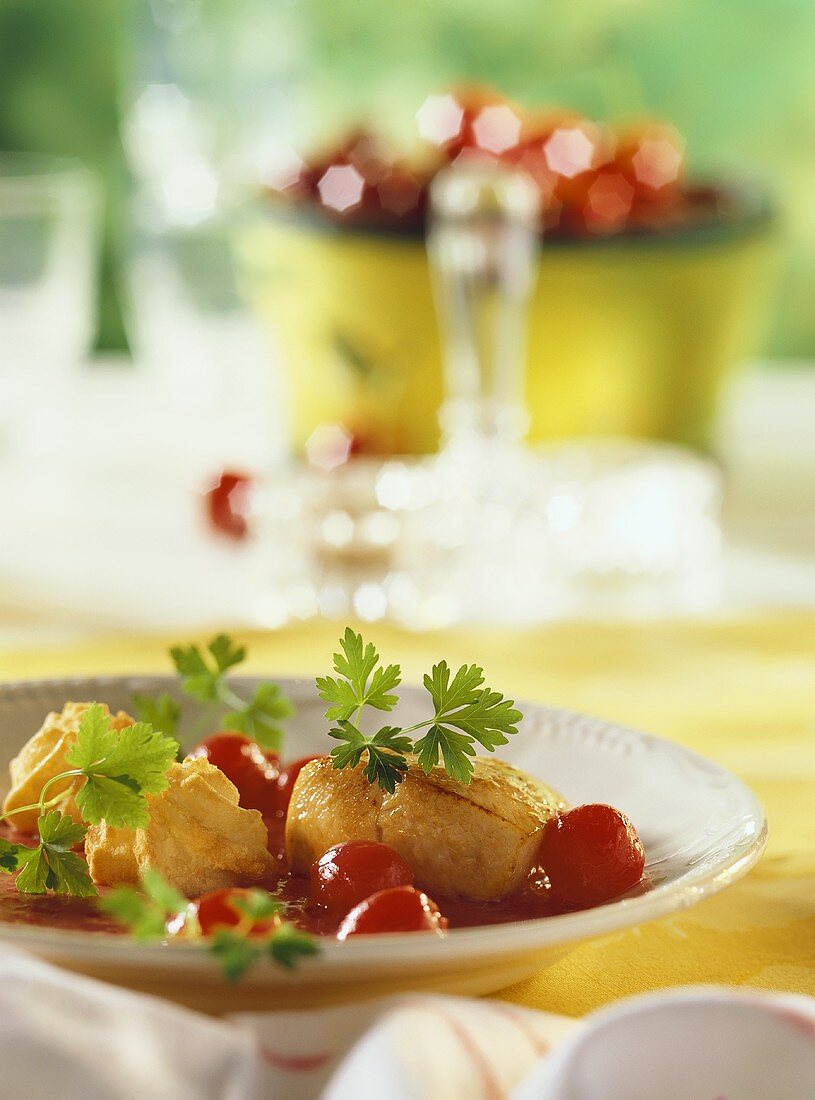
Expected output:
{"points": [[628, 336]]}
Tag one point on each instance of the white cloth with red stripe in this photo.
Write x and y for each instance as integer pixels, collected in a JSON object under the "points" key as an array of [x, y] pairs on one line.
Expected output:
{"points": [[69, 1036]]}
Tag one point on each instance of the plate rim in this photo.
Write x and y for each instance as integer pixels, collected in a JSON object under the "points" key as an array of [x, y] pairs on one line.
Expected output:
{"points": [[457, 945]]}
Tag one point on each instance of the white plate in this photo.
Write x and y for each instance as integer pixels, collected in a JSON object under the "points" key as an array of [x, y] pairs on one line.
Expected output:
{"points": [[702, 829]]}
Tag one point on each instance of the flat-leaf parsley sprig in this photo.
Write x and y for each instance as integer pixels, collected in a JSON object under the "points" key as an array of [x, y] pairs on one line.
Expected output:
{"points": [[203, 675], [465, 712], [157, 909], [111, 776]]}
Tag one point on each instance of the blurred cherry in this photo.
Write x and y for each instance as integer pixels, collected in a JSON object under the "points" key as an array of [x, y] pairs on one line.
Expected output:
{"points": [[652, 159], [399, 192], [608, 202], [341, 187], [227, 503], [470, 119], [369, 155]]}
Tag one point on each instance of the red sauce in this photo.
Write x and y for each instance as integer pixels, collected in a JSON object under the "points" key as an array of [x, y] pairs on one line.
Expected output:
{"points": [[83, 914]]}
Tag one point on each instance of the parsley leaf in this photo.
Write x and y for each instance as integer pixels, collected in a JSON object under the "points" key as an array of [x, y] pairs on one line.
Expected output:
{"points": [[137, 913], [52, 865], [236, 953], [200, 677], [455, 749], [162, 713], [203, 676], [464, 712], [490, 719], [385, 752], [258, 905], [355, 663], [145, 912], [287, 945], [156, 909], [260, 719], [462, 691], [226, 653], [14, 856], [120, 768]]}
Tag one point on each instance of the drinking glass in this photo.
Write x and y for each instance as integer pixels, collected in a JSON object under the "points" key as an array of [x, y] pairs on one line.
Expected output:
{"points": [[48, 223], [48, 244]]}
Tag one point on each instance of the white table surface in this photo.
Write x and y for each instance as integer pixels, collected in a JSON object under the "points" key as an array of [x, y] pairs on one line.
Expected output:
{"points": [[102, 530]]}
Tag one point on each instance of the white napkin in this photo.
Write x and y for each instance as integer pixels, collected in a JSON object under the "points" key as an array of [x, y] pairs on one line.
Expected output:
{"points": [[69, 1036], [65, 1034]]}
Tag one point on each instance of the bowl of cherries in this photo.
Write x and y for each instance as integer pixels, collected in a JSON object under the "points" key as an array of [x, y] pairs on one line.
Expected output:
{"points": [[649, 286]]}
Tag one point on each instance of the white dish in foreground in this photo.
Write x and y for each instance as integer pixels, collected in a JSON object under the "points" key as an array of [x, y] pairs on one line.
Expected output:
{"points": [[702, 828]]}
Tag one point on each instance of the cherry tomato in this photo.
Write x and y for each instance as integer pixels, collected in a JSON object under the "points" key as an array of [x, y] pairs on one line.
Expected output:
{"points": [[254, 772], [400, 909], [652, 158], [349, 873], [286, 781], [590, 855], [217, 910], [470, 120], [227, 504]]}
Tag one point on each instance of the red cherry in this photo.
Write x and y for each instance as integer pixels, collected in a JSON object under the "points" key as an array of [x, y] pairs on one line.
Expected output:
{"points": [[652, 160], [605, 206], [227, 503], [349, 873], [562, 154], [286, 781], [217, 910], [368, 153], [342, 188], [400, 193], [590, 855], [472, 118], [254, 772], [400, 909]]}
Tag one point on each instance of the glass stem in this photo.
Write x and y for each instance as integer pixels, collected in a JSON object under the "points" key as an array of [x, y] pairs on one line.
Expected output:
{"points": [[482, 247]]}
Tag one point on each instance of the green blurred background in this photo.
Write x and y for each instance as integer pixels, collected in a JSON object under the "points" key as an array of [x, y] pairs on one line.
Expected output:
{"points": [[736, 76]]}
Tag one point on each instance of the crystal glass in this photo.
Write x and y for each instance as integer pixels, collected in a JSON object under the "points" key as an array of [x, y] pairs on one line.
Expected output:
{"points": [[489, 531], [482, 244], [48, 222], [48, 246]]}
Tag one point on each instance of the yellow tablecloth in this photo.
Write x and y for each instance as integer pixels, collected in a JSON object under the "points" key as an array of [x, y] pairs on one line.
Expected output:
{"points": [[741, 692]]}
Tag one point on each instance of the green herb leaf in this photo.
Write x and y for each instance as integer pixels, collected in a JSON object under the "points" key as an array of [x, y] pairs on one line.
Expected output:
{"points": [[287, 945], [225, 653], [162, 712], [465, 712], [162, 893], [14, 856], [385, 752], [132, 909], [121, 769], [197, 679], [52, 865], [259, 905], [462, 691], [236, 953], [145, 912], [455, 749], [362, 683], [200, 678], [491, 719], [261, 717]]}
